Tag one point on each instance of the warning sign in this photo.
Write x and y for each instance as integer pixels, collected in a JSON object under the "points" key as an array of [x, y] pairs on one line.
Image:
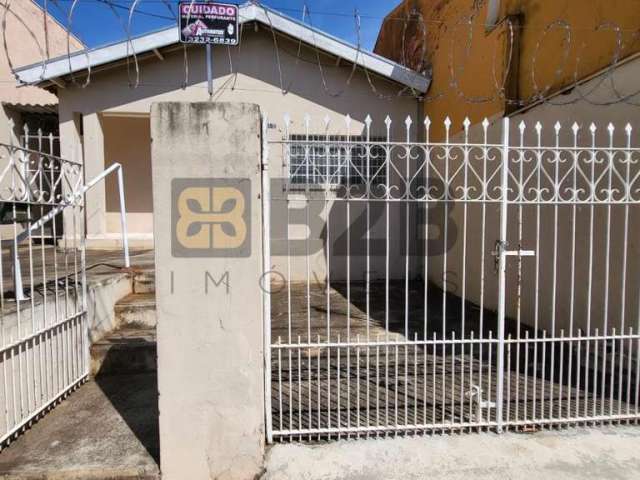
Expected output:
{"points": [[207, 22]]}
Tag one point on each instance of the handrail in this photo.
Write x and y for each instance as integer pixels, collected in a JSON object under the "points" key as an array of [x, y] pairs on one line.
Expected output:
{"points": [[17, 275]]}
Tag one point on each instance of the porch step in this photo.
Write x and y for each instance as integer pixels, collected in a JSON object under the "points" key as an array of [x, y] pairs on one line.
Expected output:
{"points": [[128, 350], [138, 309], [144, 282]]}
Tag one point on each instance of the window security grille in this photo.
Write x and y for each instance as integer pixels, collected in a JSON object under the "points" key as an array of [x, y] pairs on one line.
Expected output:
{"points": [[335, 160]]}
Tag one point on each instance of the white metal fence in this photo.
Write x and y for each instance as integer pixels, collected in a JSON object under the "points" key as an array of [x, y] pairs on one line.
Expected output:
{"points": [[43, 330], [493, 284]]}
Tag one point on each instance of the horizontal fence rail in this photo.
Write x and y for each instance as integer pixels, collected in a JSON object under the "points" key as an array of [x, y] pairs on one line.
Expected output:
{"points": [[483, 281], [43, 322]]}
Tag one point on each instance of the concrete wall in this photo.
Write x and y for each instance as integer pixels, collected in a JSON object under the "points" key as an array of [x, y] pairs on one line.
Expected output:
{"points": [[210, 337], [613, 315]]}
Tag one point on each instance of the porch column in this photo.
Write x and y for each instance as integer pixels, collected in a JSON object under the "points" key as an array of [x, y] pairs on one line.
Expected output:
{"points": [[96, 206], [71, 148], [207, 228]]}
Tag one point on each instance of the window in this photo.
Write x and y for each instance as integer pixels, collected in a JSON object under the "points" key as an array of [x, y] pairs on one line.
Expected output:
{"points": [[335, 160]]}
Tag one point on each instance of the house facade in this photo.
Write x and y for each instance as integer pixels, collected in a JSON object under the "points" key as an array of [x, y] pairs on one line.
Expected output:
{"points": [[286, 67]]}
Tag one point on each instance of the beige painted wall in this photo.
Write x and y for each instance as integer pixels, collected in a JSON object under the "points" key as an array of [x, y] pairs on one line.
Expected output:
{"points": [[253, 76], [25, 43], [127, 140]]}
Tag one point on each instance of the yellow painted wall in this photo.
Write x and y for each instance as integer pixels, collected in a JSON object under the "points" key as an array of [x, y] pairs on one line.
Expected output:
{"points": [[559, 40]]}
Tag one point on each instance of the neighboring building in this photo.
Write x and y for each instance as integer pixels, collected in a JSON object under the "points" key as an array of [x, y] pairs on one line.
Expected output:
{"points": [[466, 45], [309, 72], [26, 43], [574, 82]]}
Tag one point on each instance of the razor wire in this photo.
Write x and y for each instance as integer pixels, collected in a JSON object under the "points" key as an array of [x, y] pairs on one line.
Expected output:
{"points": [[414, 29]]}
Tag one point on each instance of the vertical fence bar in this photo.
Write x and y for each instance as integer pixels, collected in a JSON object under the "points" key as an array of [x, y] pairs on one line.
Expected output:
{"points": [[575, 129], [607, 269], [556, 198], [266, 279], [368, 180], [502, 270]]}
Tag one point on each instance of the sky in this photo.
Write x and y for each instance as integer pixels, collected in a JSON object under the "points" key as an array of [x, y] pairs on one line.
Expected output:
{"points": [[95, 22]]}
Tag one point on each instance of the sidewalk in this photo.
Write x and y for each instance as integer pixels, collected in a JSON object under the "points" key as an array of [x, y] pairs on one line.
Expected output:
{"points": [[580, 454], [107, 429]]}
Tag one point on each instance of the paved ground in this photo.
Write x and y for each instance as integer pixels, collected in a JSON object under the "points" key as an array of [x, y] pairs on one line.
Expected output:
{"points": [[334, 389], [108, 428], [608, 453]]}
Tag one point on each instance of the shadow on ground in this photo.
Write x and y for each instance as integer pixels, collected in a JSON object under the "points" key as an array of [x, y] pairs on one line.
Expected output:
{"points": [[135, 398]]}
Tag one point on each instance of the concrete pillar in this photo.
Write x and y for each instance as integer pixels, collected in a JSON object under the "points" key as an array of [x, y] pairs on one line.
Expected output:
{"points": [[96, 204], [207, 227], [71, 149]]}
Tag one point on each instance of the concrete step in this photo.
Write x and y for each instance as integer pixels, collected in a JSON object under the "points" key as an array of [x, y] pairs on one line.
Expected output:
{"points": [[128, 350], [137, 309], [144, 282]]}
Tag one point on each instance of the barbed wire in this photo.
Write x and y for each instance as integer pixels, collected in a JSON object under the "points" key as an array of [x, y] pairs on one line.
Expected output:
{"points": [[414, 53]]}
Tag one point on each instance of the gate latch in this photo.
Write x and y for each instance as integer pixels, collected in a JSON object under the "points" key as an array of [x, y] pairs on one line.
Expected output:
{"points": [[475, 394], [501, 249]]}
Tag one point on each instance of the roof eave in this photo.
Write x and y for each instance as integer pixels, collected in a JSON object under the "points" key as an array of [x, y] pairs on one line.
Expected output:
{"points": [[42, 74]]}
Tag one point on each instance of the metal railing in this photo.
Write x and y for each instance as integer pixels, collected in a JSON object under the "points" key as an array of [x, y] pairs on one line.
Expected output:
{"points": [[483, 285], [44, 341]]}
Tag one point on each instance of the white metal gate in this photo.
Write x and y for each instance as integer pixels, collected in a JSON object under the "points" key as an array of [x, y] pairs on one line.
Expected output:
{"points": [[488, 281], [44, 331]]}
